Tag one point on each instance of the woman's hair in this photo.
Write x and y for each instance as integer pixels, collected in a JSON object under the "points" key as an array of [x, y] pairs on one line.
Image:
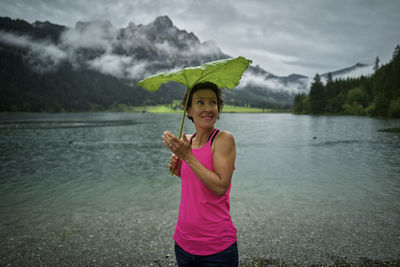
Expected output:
{"points": [[204, 85]]}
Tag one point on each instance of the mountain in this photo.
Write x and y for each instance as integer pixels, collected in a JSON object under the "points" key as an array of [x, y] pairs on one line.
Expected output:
{"points": [[354, 71], [95, 66]]}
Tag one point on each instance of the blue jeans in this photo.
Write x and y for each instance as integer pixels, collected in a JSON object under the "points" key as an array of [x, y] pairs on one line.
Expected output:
{"points": [[229, 257]]}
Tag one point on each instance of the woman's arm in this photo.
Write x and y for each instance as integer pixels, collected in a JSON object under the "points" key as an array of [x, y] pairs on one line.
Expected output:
{"points": [[224, 151]]}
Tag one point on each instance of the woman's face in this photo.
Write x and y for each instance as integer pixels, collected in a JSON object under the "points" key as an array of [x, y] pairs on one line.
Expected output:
{"points": [[204, 109]]}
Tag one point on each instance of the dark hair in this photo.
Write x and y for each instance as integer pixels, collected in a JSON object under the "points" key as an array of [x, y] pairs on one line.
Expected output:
{"points": [[204, 85]]}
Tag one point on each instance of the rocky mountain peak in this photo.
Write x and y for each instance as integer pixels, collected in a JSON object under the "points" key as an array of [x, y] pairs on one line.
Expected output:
{"points": [[41, 24], [162, 22], [82, 25]]}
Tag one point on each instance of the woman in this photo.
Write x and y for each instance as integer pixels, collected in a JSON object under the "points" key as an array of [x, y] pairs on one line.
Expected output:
{"points": [[205, 234]]}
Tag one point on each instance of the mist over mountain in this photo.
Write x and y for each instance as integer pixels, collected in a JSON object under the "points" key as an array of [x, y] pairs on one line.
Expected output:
{"points": [[95, 65], [354, 71]]}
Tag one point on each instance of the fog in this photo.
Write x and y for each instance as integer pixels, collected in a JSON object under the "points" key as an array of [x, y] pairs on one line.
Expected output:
{"points": [[42, 56]]}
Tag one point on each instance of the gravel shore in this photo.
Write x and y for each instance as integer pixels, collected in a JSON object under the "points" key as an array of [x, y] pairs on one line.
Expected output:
{"points": [[110, 240], [123, 234]]}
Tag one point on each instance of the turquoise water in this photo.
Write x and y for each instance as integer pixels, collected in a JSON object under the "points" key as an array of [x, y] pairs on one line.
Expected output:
{"points": [[94, 189]]}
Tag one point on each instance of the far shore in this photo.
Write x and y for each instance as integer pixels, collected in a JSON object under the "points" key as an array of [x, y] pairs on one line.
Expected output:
{"points": [[177, 109], [159, 109]]}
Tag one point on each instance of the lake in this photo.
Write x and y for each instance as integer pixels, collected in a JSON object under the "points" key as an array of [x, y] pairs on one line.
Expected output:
{"points": [[94, 189]]}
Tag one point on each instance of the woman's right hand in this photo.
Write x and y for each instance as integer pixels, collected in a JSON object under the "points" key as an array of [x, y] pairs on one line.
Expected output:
{"points": [[175, 163]]}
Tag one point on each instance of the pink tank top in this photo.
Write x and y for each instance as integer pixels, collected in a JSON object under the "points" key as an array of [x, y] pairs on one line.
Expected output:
{"points": [[204, 224]]}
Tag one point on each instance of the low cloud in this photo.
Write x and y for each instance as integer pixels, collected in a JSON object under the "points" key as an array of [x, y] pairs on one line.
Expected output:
{"points": [[45, 56], [120, 66], [276, 85], [205, 49], [99, 39], [111, 64], [90, 35], [42, 55], [193, 50], [124, 53], [167, 49]]}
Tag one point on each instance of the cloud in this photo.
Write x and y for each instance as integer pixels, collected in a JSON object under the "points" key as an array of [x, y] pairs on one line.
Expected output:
{"points": [[90, 35], [192, 50], [42, 55], [205, 49], [320, 35], [138, 70], [331, 34], [111, 64], [274, 84], [167, 49], [120, 66], [98, 38]]}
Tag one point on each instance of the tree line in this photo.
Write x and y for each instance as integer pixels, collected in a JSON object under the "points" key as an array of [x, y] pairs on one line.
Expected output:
{"points": [[376, 96]]}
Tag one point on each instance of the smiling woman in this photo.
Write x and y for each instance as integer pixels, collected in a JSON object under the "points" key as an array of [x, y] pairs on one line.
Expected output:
{"points": [[204, 232]]}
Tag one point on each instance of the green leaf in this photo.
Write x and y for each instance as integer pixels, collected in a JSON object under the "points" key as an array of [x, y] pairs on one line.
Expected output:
{"points": [[224, 73]]}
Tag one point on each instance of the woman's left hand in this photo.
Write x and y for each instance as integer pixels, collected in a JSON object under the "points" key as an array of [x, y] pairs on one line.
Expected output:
{"points": [[181, 148]]}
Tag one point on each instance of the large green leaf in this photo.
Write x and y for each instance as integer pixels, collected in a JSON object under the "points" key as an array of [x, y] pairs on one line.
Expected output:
{"points": [[224, 73]]}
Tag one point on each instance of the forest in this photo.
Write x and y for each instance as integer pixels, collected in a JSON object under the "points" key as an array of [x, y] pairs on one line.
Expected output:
{"points": [[375, 96]]}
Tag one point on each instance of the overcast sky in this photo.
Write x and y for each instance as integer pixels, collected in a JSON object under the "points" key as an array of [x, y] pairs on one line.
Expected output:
{"points": [[282, 36]]}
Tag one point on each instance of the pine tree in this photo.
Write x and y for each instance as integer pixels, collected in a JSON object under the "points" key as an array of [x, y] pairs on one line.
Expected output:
{"points": [[317, 96], [330, 93], [396, 52], [376, 66], [396, 73], [297, 104], [300, 104]]}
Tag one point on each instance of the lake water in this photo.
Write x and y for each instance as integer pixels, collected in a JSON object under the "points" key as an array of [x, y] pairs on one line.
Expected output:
{"points": [[94, 189]]}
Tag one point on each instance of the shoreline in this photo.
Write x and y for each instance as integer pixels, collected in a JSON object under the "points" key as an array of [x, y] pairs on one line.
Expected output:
{"points": [[146, 241], [155, 109], [117, 239]]}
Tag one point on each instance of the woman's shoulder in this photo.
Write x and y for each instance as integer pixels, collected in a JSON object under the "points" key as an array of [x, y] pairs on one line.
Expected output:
{"points": [[224, 137], [224, 133], [223, 143]]}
